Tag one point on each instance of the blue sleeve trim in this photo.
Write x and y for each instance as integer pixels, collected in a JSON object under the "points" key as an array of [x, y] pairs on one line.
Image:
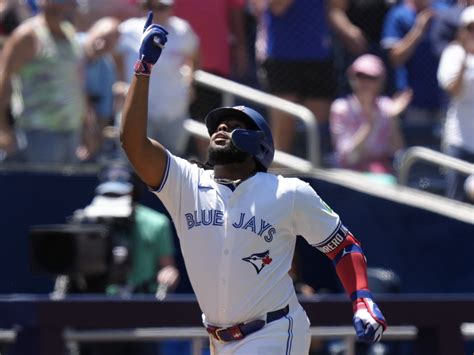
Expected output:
{"points": [[167, 170], [165, 176], [361, 294], [353, 248]]}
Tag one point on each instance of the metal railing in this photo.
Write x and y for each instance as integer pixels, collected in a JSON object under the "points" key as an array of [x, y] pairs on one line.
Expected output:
{"points": [[52, 324], [198, 335], [419, 153], [281, 158], [231, 89]]}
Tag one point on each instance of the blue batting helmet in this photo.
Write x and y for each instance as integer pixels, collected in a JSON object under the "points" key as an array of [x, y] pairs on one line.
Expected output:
{"points": [[258, 141]]}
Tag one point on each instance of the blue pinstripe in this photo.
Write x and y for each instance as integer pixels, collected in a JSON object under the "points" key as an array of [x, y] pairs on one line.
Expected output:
{"points": [[289, 341]]}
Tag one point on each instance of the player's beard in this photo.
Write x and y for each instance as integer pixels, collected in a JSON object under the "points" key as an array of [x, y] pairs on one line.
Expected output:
{"points": [[227, 154]]}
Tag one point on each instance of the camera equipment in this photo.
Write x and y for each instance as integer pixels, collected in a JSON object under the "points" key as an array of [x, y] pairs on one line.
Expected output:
{"points": [[67, 249], [93, 250]]}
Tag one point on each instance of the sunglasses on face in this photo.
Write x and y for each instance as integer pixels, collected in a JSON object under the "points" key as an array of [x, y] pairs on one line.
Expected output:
{"points": [[470, 28]]}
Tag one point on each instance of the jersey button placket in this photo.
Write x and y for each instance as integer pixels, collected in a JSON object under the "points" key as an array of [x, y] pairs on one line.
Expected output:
{"points": [[226, 257]]}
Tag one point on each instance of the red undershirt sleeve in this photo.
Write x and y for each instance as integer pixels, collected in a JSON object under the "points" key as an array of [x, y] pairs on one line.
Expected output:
{"points": [[350, 264]]}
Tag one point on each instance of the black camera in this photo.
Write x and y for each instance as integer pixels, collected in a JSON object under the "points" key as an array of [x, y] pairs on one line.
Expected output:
{"points": [[93, 249], [69, 249]]}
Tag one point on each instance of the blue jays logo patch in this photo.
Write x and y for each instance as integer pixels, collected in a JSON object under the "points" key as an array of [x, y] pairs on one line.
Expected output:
{"points": [[259, 260]]}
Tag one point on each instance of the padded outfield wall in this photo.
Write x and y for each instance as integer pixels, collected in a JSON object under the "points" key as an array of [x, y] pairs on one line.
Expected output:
{"points": [[429, 252]]}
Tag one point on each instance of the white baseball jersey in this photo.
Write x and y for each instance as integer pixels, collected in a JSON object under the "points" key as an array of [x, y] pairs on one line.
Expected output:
{"points": [[238, 245]]}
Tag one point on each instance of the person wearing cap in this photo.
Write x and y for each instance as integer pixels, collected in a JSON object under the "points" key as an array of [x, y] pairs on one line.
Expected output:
{"points": [[237, 224], [170, 90], [143, 252], [364, 125], [150, 235], [407, 39], [456, 76], [446, 25]]}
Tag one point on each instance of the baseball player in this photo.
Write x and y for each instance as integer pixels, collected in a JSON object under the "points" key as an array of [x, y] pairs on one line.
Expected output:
{"points": [[238, 224]]}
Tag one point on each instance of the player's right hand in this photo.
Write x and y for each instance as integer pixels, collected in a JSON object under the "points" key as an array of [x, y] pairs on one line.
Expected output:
{"points": [[153, 41]]}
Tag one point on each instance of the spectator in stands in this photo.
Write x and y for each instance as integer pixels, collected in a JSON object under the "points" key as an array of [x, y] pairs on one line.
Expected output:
{"points": [[456, 76], [294, 49], [171, 85], [406, 36], [45, 54], [446, 25], [100, 76], [220, 26], [354, 34], [364, 125], [9, 20]]}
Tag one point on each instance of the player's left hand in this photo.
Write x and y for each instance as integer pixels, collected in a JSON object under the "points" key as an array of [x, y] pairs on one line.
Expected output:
{"points": [[369, 322]]}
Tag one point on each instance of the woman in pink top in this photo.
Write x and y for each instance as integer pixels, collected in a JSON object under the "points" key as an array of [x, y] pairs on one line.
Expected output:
{"points": [[364, 125]]}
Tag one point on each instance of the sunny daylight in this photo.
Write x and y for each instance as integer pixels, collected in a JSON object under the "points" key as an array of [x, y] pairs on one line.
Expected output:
{"points": [[236, 177]]}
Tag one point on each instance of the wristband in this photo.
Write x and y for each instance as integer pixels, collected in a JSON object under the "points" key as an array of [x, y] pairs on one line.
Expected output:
{"points": [[142, 68]]}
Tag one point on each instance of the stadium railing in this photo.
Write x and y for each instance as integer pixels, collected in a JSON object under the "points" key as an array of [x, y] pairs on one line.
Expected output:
{"points": [[199, 336], [231, 90], [281, 158], [415, 154], [43, 325]]}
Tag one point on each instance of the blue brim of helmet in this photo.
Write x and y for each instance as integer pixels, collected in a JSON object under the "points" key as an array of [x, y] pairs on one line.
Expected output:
{"points": [[218, 115]]}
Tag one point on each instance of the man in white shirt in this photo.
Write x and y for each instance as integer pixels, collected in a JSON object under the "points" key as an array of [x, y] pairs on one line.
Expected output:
{"points": [[456, 76], [169, 96]]}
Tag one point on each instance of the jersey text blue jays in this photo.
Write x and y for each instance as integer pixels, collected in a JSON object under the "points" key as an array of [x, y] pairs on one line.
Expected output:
{"points": [[248, 222]]}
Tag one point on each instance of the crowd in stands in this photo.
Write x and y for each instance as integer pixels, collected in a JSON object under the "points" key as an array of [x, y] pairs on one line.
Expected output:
{"points": [[379, 76]]}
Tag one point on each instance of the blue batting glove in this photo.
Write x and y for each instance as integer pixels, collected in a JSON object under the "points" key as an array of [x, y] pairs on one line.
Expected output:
{"points": [[153, 41], [369, 322]]}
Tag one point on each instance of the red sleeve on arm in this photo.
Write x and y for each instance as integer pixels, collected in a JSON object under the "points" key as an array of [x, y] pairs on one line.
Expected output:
{"points": [[351, 268]]}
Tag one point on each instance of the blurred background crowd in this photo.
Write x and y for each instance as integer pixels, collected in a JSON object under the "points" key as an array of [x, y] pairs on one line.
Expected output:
{"points": [[379, 76]]}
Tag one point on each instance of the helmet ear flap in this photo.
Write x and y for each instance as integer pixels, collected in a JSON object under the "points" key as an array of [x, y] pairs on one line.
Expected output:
{"points": [[248, 141], [256, 141]]}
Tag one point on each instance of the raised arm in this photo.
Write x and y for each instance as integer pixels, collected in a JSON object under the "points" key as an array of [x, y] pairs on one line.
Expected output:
{"points": [[147, 156], [351, 36], [402, 51], [19, 49]]}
